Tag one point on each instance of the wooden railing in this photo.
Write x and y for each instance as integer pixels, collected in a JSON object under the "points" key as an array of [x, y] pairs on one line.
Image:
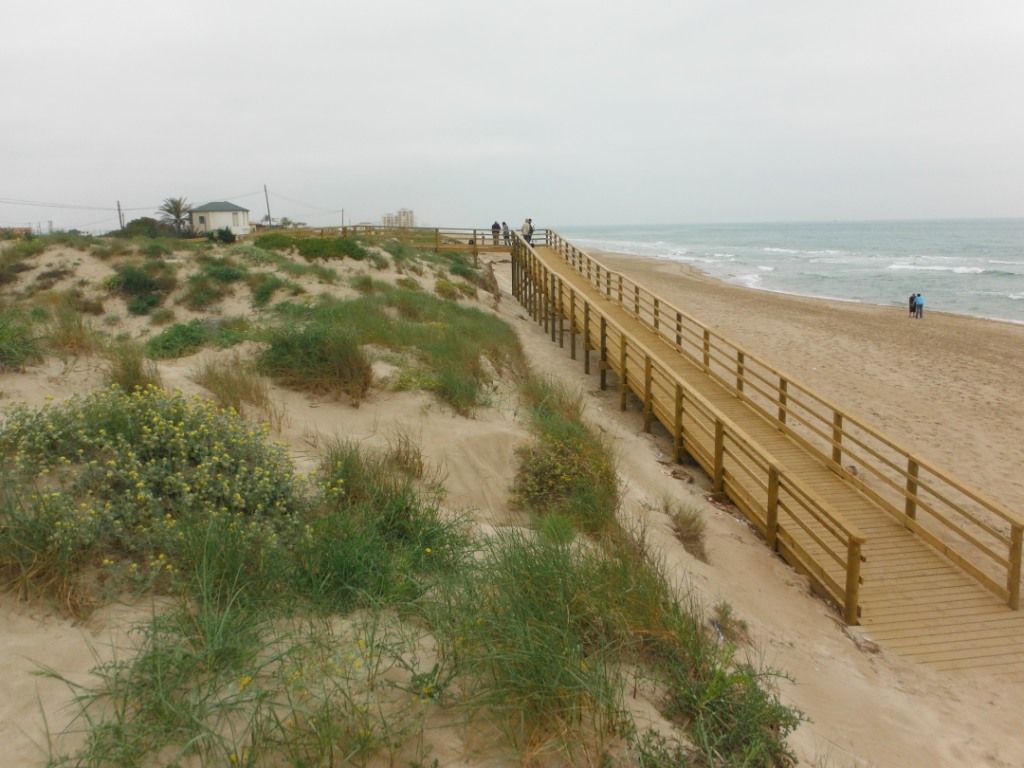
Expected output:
{"points": [[804, 528], [981, 536], [473, 240]]}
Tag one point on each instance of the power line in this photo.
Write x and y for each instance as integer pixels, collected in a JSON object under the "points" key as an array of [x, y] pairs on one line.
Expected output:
{"points": [[66, 206]]}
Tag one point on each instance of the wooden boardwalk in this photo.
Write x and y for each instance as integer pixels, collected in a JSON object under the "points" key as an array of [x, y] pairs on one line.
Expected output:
{"points": [[914, 593]]}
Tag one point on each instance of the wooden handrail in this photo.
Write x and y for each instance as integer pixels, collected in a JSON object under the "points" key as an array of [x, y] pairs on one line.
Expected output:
{"points": [[839, 430], [729, 440]]}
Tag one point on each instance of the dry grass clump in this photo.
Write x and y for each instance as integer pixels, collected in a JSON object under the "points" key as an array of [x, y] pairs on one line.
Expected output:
{"points": [[233, 383], [129, 368], [688, 525], [69, 333], [728, 625]]}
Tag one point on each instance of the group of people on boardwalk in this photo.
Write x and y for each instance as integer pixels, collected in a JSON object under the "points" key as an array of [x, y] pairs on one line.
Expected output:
{"points": [[916, 305], [502, 231]]}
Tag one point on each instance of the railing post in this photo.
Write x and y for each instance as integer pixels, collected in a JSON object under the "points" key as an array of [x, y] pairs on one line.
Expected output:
{"points": [[772, 510], [677, 425], [636, 300], [648, 409], [783, 399], [910, 508], [719, 480], [624, 377], [555, 316], [572, 323], [656, 314], [608, 284], [837, 437], [739, 371], [1013, 572], [707, 350], [586, 336], [604, 353], [679, 329], [545, 298], [851, 608], [620, 289]]}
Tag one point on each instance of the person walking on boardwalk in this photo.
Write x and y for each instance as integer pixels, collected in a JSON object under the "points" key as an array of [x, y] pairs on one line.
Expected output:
{"points": [[919, 306], [495, 231], [528, 231], [913, 304], [505, 234]]}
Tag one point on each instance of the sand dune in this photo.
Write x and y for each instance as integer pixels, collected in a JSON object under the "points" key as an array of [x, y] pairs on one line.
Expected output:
{"points": [[959, 403]]}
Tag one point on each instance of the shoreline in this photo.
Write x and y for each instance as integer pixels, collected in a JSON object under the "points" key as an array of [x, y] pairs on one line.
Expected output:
{"points": [[598, 253], [947, 387]]}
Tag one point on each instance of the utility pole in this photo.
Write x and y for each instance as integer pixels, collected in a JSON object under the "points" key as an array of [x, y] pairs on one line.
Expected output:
{"points": [[266, 196], [120, 215]]}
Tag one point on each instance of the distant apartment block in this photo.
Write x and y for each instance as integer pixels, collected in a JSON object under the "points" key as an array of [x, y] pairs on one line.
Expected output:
{"points": [[402, 218]]}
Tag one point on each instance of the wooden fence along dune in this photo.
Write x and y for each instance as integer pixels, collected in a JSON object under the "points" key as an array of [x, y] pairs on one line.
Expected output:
{"points": [[931, 565]]}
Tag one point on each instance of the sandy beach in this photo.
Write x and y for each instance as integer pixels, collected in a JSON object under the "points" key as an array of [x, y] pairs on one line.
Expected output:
{"points": [[948, 387]]}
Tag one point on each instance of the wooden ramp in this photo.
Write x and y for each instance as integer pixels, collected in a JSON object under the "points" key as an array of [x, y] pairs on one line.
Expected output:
{"points": [[917, 589]]}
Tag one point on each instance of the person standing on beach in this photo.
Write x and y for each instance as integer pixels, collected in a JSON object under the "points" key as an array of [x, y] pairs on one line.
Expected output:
{"points": [[495, 230], [528, 230], [919, 306], [505, 234], [913, 304]]}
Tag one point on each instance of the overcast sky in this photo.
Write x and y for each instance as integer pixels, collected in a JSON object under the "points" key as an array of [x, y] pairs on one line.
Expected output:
{"points": [[572, 112]]}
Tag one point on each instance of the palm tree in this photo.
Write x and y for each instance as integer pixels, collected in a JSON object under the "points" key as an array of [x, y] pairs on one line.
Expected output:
{"points": [[174, 211]]}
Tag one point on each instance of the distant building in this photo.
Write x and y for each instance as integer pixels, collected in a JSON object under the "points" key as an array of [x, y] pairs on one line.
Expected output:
{"points": [[214, 216], [401, 219]]}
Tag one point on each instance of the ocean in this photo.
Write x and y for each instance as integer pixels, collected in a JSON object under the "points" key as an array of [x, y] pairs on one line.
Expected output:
{"points": [[968, 267]]}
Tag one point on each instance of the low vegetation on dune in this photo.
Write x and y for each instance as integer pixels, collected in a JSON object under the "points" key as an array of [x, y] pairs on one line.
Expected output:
{"points": [[345, 617], [320, 346]]}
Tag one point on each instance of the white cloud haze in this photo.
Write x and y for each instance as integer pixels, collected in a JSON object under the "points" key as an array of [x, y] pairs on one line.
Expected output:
{"points": [[572, 112]]}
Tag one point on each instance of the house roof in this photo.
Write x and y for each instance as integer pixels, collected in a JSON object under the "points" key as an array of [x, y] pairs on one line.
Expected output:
{"points": [[211, 207]]}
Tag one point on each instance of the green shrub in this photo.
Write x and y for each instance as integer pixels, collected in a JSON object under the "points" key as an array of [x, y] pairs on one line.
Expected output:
{"points": [[222, 270], [155, 250], [376, 538], [202, 292], [330, 248], [162, 316], [185, 338], [447, 290], [178, 340], [134, 482], [567, 469], [264, 286], [143, 286], [222, 235], [409, 283], [275, 241], [18, 342], [317, 357]]}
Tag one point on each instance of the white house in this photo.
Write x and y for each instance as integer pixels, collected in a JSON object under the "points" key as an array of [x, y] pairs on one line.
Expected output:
{"points": [[214, 216]]}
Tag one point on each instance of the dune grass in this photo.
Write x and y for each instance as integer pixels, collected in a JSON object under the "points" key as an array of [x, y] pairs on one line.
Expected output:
{"points": [[19, 343], [183, 339], [688, 526], [233, 383], [144, 285], [128, 368], [318, 346], [566, 470]]}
